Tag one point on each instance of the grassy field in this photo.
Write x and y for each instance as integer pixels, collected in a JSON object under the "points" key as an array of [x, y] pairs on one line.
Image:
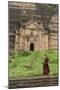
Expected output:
{"points": [[29, 64]]}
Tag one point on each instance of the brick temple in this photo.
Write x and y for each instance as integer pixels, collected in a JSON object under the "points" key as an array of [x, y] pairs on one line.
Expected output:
{"points": [[32, 34]]}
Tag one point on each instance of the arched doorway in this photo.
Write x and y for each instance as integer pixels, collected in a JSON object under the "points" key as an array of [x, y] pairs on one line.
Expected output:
{"points": [[31, 46]]}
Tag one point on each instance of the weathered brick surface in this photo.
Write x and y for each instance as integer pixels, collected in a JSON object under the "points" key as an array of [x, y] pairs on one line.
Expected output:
{"points": [[31, 31], [33, 82]]}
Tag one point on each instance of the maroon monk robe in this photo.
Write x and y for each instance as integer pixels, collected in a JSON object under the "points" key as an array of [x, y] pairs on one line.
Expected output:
{"points": [[46, 69]]}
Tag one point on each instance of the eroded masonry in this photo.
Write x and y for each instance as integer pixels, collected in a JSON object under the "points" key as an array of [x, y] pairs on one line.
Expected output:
{"points": [[31, 28]]}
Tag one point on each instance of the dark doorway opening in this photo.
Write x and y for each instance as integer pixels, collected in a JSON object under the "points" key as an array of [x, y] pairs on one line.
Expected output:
{"points": [[32, 46]]}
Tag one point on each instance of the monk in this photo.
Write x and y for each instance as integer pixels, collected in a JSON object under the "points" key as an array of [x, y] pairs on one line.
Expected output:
{"points": [[46, 69]]}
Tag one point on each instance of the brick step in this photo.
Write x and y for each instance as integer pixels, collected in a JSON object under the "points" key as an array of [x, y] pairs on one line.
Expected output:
{"points": [[33, 82], [32, 85]]}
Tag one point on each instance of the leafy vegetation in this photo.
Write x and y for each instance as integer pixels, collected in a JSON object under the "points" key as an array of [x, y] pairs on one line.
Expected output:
{"points": [[29, 64]]}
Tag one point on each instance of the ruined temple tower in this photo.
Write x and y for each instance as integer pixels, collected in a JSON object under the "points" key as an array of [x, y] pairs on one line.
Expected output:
{"points": [[26, 29]]}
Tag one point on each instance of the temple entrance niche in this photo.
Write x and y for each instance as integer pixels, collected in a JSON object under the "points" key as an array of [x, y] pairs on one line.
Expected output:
{"points": [[31, 46], [32, 37]]}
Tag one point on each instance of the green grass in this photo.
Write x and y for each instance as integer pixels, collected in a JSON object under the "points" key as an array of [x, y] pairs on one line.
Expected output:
{"points": [[18, 67]]}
